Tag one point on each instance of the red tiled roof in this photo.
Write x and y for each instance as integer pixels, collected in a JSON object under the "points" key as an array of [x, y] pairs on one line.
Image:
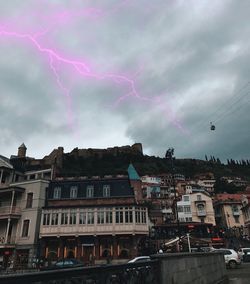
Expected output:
{"points": [[230, 197]]}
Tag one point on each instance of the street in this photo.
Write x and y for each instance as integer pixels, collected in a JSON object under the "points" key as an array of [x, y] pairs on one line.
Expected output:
{"points": [[239, 275]]}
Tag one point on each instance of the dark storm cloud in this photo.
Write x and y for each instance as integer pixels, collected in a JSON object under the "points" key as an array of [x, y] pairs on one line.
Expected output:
{"points": [[188, 59]]}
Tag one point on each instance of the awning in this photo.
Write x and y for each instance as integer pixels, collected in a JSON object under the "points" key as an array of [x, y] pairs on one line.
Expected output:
{"points": [[172, 241]]}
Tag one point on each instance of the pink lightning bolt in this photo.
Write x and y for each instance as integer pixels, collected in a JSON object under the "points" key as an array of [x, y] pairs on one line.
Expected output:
{"points": [[81, 67]]}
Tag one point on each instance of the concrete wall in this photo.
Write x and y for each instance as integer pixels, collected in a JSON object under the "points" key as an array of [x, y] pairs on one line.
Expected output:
{"points": [[185, 268]]}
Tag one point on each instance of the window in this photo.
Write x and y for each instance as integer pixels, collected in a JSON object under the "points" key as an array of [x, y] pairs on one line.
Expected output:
{"points": [[57, 192], [25, 232], [119, 215], [46, 219], [29, 200], [201, 207], [54, 219], [185, 198], [187, 209], [100, 216], [180, 208], [128, 215], [137, 216], [73, 191], [109, 215], [64, 218], [188, 219], [90, 191], [72, 217], [144, 218], [90, 217], [82, 218], [106, 190], [140, 215], [199, 198], [235, 209], [32, 176]]}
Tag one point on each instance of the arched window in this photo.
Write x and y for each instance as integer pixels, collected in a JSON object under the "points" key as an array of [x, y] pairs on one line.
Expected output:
{"points": [[57, 192], [73, 191]]}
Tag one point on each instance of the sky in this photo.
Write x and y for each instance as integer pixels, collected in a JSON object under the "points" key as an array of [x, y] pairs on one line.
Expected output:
{"points": [[97, 74]]}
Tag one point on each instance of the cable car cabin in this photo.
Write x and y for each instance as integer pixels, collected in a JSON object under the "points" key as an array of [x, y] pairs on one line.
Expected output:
{"points": [[212, 127]]}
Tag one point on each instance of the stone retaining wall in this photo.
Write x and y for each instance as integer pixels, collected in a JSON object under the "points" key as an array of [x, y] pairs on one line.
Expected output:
{"points": [[185, 268]]}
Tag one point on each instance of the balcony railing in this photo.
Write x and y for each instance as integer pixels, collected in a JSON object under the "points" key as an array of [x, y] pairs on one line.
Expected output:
{"points": [[93, 229], [9, 241], [8, 210], [201, 213]]}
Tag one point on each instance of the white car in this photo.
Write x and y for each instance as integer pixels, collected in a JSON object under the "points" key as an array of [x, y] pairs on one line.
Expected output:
{"points": [[139, 259], [232, 259], [244, 254]]}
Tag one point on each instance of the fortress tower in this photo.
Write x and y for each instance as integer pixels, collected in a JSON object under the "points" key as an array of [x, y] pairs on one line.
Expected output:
{"points": [[21, 151]]}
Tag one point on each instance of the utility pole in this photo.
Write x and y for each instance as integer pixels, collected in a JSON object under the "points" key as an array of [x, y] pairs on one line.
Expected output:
{"points": [[169, 156]]}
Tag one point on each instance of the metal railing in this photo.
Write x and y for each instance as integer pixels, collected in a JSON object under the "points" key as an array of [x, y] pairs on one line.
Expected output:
{"points": [[147, 272], [201, 213]]}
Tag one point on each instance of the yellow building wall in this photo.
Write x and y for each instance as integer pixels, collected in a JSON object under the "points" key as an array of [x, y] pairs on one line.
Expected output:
{"points": [[229, 217], [210, 217]]}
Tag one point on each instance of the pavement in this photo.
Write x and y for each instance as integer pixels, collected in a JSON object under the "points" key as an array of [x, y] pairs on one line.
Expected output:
{"points": [[240, 275]]}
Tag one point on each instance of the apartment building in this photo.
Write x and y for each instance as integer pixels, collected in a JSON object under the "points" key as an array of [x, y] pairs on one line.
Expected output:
{"points": [[246, 215], [93, 217], [196, 207], [228, 211], [151, 186], [22, 195]]}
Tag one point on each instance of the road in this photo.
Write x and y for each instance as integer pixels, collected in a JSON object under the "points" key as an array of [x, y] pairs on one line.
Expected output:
{"points": [[240, 275]]}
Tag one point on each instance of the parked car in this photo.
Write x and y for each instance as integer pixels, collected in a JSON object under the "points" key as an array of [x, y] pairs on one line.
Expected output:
{"points": [[232, 259], [244, 254], [64, 263], [139, 259]]}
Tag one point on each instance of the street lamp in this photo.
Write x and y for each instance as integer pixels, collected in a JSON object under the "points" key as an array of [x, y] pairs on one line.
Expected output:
{"points": [[169, 157]]}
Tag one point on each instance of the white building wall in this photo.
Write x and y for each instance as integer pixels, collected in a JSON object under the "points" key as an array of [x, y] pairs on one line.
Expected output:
{"points": [[38, 188]]}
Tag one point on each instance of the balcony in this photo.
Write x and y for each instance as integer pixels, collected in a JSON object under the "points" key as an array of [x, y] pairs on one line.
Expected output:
{"points": [[201, 213], [7, 244], [236, 213], [8, 211]]}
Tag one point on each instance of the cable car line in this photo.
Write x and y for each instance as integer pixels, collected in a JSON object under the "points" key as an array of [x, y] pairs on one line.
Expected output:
{"points": [[231, 107]]}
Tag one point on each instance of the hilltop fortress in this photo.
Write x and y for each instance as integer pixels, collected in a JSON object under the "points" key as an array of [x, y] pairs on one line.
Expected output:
{"points": [[114, 151], [56, 157]]}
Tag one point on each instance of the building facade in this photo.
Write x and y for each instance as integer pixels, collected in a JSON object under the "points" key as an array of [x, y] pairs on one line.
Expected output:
{"points": [[196, 207], [246, 215], [228, 210], [20, 216], [92, 219], [22, 195]]}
